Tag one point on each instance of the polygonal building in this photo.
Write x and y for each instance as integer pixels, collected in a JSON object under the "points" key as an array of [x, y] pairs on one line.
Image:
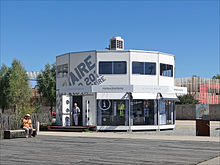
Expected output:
{"points": [[117, 89]]}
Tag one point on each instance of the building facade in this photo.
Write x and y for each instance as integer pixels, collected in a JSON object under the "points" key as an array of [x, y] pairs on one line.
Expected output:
{"points": [[117, 89], [205, 90]]}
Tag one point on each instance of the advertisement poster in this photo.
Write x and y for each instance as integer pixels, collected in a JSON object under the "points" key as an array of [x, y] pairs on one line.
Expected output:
{"points": [[202, 111]]}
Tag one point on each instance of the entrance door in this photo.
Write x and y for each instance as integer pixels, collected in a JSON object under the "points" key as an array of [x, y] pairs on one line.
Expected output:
{"points": [[78, 100]]}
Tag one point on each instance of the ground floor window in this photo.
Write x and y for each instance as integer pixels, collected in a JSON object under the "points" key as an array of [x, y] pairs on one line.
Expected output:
{"points": [[112, 112], [143, 112], [166, 111]]}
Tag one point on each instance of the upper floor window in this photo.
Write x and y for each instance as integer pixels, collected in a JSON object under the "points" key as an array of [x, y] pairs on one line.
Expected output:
{"points": [[62, 70], [112, 67], [166, 70], [147, 68]]}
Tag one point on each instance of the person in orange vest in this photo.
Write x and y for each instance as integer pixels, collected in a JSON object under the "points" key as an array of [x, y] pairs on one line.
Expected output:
{"points": [[27, 125]]}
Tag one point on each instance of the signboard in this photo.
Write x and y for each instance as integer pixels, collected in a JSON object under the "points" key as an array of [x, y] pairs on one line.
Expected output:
{"points": [[202, 111]]}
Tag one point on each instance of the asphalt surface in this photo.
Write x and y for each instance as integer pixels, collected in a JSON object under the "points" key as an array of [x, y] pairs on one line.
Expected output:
{"points": [[57, 149]]}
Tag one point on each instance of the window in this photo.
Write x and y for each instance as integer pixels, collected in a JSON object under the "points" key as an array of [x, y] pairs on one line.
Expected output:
{"points": [[112, 112], [143, 112], [112, 67], [166, 70], [62, 70], [119, 67], [150, 68], [147, 68], [137, 67], [105, 67]]}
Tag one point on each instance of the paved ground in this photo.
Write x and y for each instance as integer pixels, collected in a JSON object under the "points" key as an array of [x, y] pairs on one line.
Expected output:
{"points": [[93, 150], [159, 148]]}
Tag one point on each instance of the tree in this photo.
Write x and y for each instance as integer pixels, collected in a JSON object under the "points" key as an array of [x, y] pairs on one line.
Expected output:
{"points": [[46, 81], [216, 76], [19, 93], [4, 86], [187, 99]]}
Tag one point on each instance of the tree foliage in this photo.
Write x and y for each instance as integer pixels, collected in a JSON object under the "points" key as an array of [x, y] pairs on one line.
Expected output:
{"points": [[216, 76], [14, 87], [19, 92], [187, 99], [46, 81], [4, 86]]}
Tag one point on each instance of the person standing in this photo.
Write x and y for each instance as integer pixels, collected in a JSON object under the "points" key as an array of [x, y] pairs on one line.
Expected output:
{"points": [[27, 125], [75, 113]]}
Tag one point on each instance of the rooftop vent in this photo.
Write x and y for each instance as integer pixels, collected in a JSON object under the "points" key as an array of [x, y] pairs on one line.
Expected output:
{"points": [[116, 43]]}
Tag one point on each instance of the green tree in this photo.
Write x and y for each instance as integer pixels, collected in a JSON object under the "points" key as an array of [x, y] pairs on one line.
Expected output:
{"points": [[187, 99], [19, 93], [4, 86], [46, 81], [216, 76]]}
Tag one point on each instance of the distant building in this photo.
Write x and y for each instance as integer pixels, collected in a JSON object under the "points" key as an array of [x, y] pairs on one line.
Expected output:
{"points": [[205, 90]]}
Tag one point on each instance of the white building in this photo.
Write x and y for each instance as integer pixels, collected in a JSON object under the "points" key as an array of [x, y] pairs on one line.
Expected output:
{"points": [[117, 89]]}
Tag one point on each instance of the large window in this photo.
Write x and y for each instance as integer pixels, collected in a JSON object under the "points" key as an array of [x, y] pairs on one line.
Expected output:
{"points": [[62, 70], [143, 112], [147, 68], [166, 70], [112, 112], [112, 67]]}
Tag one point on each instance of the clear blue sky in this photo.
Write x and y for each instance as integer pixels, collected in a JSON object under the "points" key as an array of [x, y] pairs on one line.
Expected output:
{"points": [[35, 32]]}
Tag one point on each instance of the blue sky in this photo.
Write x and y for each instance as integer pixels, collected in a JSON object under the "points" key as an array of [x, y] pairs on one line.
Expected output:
{"points": [[35, 32]]}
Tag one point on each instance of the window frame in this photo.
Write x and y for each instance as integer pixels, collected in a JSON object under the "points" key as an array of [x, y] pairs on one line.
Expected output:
{"points": [[113, 71], [166, 66], [144, 67]]}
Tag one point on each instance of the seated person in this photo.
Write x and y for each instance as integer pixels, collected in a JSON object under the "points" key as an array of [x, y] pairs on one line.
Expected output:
{"points": [[27, 125]]}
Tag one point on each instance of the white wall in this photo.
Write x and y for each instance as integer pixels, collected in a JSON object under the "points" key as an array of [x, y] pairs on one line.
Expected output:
{"points": [[92, 110]]}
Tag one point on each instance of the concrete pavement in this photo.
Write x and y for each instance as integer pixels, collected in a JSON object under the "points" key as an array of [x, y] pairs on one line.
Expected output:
{"points": [[179, 146]]}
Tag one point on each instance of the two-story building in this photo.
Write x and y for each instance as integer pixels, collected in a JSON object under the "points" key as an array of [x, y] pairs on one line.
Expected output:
{"points": [[117, 89]]}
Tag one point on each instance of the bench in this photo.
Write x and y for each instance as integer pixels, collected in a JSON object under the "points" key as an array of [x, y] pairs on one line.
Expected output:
{"points": [[9, 134]]}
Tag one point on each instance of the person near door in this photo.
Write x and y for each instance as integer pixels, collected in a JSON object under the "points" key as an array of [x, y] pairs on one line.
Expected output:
{"points": [[75, 113]]}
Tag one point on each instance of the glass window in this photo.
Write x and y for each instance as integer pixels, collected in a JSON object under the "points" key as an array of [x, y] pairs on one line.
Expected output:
{"points": [[112, 112], [147, 68], [166, 70], [137, 68], [119, 67], [62, 70], [150, 68], [143, 112], [105, 67], [112, 67]]}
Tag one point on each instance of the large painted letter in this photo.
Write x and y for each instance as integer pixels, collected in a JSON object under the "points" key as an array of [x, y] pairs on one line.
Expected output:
{"points": [[73, 78], [82, 68], [89, 63]]}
